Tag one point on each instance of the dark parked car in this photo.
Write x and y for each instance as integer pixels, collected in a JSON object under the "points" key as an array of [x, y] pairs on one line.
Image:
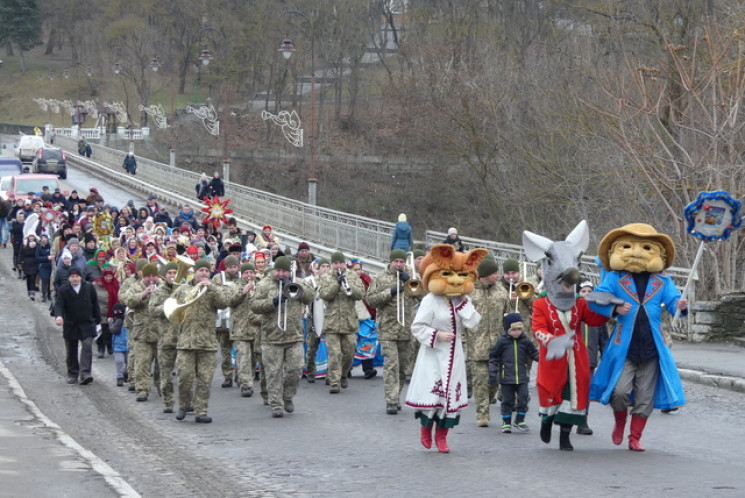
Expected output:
{"points": [[50, 160]]}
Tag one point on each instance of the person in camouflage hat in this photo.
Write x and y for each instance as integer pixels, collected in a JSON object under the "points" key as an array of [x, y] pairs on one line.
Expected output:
{"points": [[281, 334], [245, 328], [492, 303], [386, 293], [167, 333], [340, 288], [128, 319], [196, 360], [136, 298], [229, 276]]}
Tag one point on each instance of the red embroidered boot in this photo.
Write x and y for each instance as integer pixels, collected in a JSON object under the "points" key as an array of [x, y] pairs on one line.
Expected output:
{"points": [[635, 432], [441, 435], [426, 435], [617, 435]]}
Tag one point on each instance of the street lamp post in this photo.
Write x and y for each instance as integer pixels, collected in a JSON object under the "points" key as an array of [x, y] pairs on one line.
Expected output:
{"points": [[155, 65], [206, 57], [287, 48], [117, 70]]}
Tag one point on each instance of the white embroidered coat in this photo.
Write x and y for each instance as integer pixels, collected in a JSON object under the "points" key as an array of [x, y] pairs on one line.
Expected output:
{"points": [[439, 378]]}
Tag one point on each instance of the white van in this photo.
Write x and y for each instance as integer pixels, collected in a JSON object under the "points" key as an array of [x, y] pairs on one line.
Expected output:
{"points": [[28, 146]]}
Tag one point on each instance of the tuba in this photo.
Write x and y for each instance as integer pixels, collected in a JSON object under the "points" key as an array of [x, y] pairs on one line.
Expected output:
{"points": [[184, 264], [175, 308]]}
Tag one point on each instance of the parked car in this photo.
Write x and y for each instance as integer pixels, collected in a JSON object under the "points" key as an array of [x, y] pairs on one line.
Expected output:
{"points": [[10, 166], [21, 185], [5, 186], [50, 160], [27, 147]]}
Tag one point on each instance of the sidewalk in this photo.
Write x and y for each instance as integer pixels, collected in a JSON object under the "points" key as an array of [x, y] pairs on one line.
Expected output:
{"points": [[720, 365]]}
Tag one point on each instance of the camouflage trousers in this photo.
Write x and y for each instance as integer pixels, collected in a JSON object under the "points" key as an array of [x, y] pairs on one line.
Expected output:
{"points": [[194, 364], [283, 364], [483, 392], [145, 355], [414, 352], [226, 362], [244, 363], [166, 362], [341, 348], [312, 341], [396, 355], [131, 360]]}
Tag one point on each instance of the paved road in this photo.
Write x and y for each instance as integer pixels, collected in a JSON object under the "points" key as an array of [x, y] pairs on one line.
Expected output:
{"points": [[342, 445]]}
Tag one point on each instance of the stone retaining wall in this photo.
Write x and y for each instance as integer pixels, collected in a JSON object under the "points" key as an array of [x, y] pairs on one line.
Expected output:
{"points": [[719, 321]]}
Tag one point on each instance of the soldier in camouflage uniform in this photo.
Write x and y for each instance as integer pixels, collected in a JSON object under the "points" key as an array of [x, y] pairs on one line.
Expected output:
{"points": [[222, 324], [281, 350], [129, 321], [340, 288], [168, 334], [260, 264], [386, 292], [418, 257], [136, 297], [313, 339], [492, 303], [196, 341], [243, 333]]}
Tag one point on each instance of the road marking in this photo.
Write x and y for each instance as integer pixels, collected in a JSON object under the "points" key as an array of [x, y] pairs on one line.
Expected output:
{"points": [[112, 477]]}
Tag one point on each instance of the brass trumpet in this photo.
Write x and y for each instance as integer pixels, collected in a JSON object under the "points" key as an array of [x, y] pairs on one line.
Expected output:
{"points": [[523, 289], [413, 287], [345, 284]]}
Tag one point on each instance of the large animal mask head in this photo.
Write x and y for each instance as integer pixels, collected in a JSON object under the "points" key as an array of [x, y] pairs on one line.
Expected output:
{"points": [[560, 263], [635, 248], [450, 273]]}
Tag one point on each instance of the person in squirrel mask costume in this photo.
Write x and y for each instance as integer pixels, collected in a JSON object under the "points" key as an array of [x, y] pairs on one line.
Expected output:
{"points": [[637, 369], [438, 384]]}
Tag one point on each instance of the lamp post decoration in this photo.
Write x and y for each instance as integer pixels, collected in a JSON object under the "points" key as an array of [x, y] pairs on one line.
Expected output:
{"points": [[208, 115], [290, 124], [287, 48]]}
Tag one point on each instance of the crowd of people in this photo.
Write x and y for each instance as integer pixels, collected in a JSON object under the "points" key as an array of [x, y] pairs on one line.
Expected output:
{"points": [[165, 293]]}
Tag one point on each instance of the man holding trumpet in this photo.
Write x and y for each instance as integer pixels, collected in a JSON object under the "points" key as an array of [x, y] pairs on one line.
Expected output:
{"points": [[395, 307], [281, 300]]}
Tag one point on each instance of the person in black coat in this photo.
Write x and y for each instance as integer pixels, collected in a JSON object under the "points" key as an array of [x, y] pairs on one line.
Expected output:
{"points": [[44, 260], [77, 312], [29, 265], [216, 187], [509, 366]]}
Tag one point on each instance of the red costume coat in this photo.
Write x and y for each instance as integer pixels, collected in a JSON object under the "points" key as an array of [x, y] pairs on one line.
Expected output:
{"points": [[574, 366]]}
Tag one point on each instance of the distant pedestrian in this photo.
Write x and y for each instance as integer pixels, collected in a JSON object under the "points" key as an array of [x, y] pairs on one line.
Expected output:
{"points": [[88, 150], [454, 240], [402, 238], [216, 186], [77, 312], [130, 163], [202, 187]]}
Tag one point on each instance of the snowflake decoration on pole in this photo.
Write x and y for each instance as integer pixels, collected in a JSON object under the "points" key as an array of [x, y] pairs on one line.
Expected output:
{"points": [[216, 211], [713, 216]]}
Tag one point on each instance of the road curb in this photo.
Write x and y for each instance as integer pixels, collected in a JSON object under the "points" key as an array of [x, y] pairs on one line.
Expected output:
{"points": [[736, 384]]}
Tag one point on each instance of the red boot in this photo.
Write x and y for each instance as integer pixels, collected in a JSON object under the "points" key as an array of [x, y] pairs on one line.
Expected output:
{"points": [[635, 432], [426, 435], [617, 435], [441, 435]]}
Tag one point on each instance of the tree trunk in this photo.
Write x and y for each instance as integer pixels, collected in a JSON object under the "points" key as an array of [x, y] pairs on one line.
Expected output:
{"points": [[50, 42]]}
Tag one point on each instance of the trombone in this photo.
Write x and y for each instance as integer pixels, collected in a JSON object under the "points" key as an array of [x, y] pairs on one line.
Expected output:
{"points": [[523, 289], [287, 292], [413, 287], [400, 301]]}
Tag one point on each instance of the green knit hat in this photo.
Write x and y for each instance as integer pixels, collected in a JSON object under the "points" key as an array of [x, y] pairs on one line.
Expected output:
{"points": [[324, 261], [510, 265], [167, 267], [149, 270], [202, 263], [282, 263], [397, 254], [140, 263], [338, 257], [231, 261], [418, 253], [488, 267], [247, 266]]}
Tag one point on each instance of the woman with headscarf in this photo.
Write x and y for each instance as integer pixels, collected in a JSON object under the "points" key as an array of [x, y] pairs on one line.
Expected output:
{"points": [[107, 290], [29, 265]]}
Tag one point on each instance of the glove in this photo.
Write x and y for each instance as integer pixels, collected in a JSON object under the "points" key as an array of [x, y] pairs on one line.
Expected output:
{"points": [[394, 290], [341, 278], [403, 276], [277, 300], [558, 346]]}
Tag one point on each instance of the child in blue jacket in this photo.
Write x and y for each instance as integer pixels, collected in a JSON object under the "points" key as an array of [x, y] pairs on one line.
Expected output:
{"points": [[120, 335]]}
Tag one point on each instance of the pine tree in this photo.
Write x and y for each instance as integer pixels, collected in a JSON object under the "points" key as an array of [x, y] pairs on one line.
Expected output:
{"points": [[20, 23]]}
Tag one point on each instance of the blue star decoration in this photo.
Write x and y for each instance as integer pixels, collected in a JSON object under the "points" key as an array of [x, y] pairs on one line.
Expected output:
{"points": [[713, 216]]}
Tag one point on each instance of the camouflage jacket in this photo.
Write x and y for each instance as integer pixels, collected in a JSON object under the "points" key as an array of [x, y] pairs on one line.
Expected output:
{"points": [[262, 304], [198, 329], [224, 316], [168, 331], [379, 296], [492, 303], [340, 316], [245, 323], [144, 328], [129, 315]]}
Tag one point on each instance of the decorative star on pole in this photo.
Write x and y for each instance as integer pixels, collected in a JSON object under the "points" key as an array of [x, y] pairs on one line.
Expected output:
{"points": [[216, 211]]}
